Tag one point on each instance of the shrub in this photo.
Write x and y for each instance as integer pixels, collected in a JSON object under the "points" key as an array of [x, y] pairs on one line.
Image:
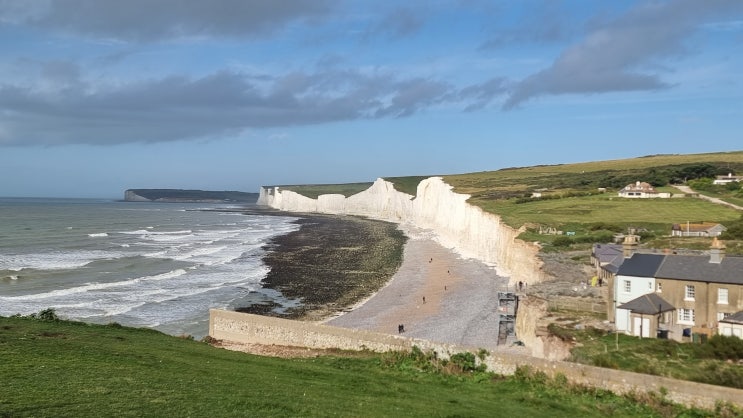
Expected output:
{"points": [[47, 314], [466, 361], [721, 347]]}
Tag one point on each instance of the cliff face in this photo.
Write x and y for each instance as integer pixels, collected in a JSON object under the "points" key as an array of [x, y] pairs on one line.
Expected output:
{"points": [[471, 231], [131, 196]]}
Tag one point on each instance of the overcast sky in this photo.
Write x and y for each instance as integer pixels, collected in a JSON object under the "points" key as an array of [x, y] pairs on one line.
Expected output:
{"points": [[97, 96]]}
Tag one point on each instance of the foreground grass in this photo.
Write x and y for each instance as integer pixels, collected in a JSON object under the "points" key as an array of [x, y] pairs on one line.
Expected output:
{"points": [[715, 362], [52, 368]]}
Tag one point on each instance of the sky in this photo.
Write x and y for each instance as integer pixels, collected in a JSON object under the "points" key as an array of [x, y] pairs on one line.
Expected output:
{"points": [[98, 96]]}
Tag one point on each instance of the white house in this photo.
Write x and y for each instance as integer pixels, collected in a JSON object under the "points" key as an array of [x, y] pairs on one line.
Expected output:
{"points": [[641, 190], [727, 179], [632, 281], [697, 229]]}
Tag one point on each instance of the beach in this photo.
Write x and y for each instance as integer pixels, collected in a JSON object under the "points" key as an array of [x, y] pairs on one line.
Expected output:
{"points": [[367, 274], [460, 305]]}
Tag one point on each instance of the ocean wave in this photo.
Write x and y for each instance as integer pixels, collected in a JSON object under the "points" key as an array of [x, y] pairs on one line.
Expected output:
{"points": [[90, 287], [98, 235], [53, 260]]}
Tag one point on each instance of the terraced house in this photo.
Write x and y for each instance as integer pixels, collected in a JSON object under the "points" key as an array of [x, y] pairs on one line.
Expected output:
{"points": [[678, 296]]}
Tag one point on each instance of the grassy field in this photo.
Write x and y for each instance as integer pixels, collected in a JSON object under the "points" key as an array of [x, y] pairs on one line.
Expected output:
{"points": [[65, 369], [551, 176], [571, 200]]}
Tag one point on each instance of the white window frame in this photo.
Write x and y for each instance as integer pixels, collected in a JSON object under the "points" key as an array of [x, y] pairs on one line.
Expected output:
{"points": [[686, 316], [658, 287], [722, 315], [627, 286], [689, 292], [722, 295]]}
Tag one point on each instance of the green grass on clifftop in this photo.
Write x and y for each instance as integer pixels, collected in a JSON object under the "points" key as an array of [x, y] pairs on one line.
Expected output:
{"points": [[66, 369]]}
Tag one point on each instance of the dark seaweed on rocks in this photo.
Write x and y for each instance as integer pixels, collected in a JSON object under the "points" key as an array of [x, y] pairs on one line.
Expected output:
{"points": [[331, 263]]}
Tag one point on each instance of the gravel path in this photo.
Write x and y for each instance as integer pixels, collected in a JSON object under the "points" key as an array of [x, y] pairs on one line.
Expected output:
{"points": [[460, 298]]}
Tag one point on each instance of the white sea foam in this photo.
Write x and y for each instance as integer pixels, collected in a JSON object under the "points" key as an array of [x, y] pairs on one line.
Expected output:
{"points": [[206, 263], [53, 260]]}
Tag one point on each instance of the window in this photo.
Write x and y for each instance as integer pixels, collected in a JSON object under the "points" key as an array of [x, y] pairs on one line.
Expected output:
{"points": [[689, 294], [722, 295], [627, 286], [658, 287], [722, 315], [650, 286], [686, 316]]}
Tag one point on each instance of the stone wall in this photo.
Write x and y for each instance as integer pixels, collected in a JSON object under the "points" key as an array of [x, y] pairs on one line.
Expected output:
{"points": [[247, 328], [457, 224]]}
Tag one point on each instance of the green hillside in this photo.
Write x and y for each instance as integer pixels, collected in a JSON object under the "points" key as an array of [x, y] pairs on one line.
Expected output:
{"points": [[582, 197], [66, 369]]}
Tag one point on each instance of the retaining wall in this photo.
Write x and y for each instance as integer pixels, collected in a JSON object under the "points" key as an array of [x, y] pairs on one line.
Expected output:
{"points": [[247, 328]]}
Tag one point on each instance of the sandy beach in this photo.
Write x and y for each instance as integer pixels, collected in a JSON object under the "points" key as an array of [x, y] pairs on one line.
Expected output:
{"points": [[436, 294]]}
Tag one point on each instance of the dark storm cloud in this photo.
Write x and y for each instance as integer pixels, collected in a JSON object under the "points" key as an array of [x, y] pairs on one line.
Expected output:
{"points": [[146, 20], [617, 56], [224, 103]]}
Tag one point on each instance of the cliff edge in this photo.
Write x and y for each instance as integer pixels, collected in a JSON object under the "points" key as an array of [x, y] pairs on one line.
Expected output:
{"points": [[466, 228]]}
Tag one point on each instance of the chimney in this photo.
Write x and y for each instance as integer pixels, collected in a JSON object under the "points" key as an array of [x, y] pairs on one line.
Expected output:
{"points": [[629, 245], [716, 251]]}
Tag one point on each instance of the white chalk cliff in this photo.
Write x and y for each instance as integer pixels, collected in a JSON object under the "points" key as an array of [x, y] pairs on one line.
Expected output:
{"points": [[457, 224]]}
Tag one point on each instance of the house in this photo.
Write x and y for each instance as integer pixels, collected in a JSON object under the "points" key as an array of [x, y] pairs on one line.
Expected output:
{"points": [[641, 190], [730, 178], [703, 290], [606, 259], [649, 312], [635, 278], [697, 229], [732, 325]]}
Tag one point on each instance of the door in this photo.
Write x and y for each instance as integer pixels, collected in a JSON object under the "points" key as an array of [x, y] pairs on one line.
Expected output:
{"points": [[641, 327]]}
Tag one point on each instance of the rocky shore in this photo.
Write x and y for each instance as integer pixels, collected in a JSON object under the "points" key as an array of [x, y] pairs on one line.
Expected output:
{"points": [[330, 264]]}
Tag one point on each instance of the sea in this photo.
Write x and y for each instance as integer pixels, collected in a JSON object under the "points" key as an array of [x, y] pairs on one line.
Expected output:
{"points": [[139, 264]]}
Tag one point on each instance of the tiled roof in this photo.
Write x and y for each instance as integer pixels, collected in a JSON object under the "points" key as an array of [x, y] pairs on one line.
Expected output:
{"points": [[698, 268], [736, 318], [649, 304], [641, 265]]}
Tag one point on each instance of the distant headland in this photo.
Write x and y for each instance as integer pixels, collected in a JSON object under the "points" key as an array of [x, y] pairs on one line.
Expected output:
{"points": [[188, 196]]}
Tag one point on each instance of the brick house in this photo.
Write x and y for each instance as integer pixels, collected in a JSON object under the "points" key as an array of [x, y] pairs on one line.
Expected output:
{"points": [[701, 290]]}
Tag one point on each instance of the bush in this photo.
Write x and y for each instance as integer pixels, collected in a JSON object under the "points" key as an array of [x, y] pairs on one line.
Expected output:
{"points": [[721, 347], [562, 241], [466, 361], [47, 314]]}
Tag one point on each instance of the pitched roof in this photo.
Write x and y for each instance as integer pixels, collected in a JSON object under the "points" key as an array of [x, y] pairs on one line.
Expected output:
{"points": [[639, 187], [605, 253], [697, 227], [698, 268], [641, 265], [736, 318], [649, 304]]}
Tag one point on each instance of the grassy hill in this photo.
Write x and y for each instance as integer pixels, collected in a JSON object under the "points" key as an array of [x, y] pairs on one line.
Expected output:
{"points": [[582, 197], [59, 368]]}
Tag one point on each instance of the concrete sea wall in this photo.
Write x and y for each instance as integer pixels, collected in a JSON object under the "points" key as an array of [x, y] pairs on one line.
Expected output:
{"points": [[247, 328], [457, 224]]}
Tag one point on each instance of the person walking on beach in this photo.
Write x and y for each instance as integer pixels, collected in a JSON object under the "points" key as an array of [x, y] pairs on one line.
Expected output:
{"points": [[424, 299]]}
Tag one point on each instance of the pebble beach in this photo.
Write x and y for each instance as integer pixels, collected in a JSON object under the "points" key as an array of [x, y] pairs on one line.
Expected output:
{"points": [[460, 305]]}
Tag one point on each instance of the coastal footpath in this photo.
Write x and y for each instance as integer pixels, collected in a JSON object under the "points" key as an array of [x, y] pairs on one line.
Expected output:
{"points": [[467, 229]]}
